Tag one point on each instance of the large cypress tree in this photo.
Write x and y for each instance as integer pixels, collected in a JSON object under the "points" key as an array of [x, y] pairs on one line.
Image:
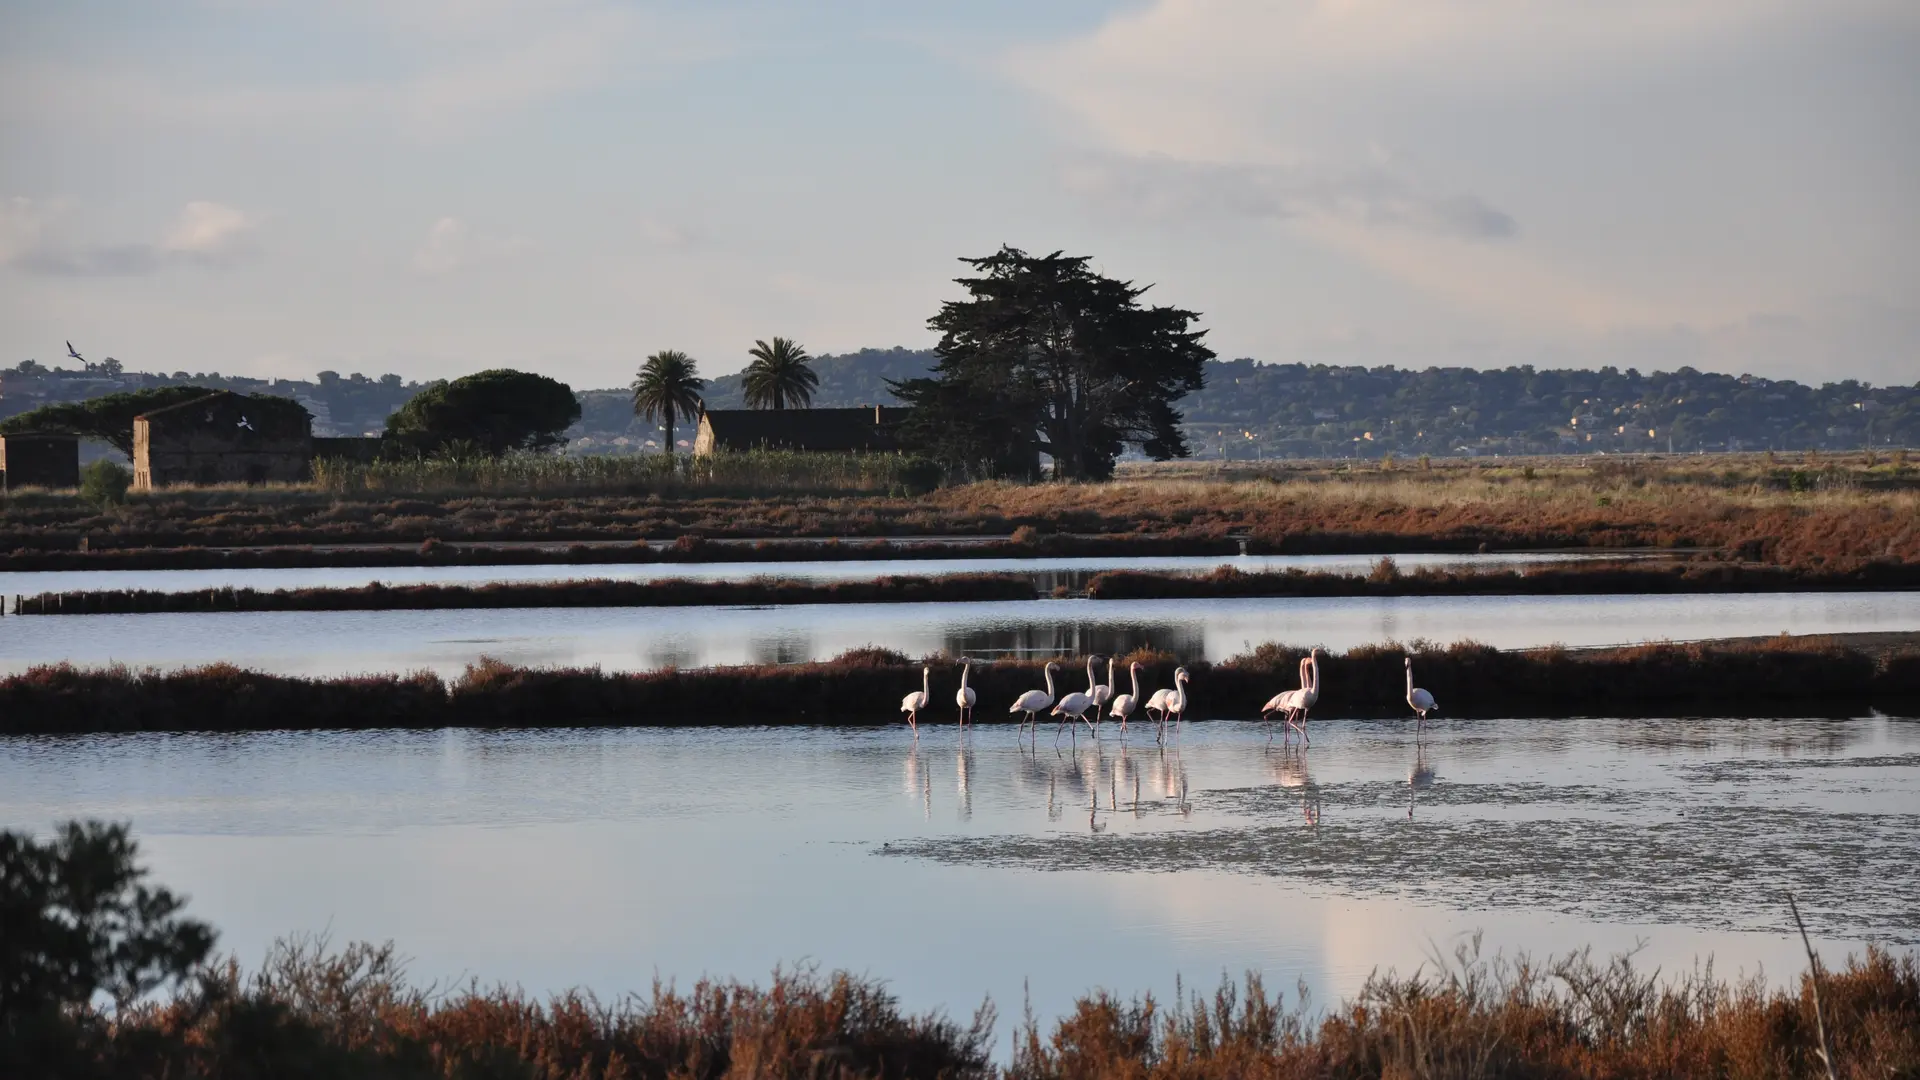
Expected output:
{"points": [[1046, 356]]}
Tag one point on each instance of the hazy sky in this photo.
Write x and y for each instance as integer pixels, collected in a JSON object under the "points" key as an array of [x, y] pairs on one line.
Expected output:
{"points": [[436, 186]]}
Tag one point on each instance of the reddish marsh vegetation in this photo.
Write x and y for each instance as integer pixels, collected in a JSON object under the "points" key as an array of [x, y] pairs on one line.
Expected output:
{"points": [[602, 593], [864, 687]]}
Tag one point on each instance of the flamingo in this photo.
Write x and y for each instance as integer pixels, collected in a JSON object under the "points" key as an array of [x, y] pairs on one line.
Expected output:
{"points": [[1287, 701], [1421, 701], [1177, 703], [1124, 705], [1076, 704], [1103, 693], [1296, 702], [965, 697], [919, 699], [1033, 701]]}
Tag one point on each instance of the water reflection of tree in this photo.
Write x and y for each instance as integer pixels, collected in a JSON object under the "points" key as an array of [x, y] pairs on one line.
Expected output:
{"points": [[1076, 639], [786, 649]]}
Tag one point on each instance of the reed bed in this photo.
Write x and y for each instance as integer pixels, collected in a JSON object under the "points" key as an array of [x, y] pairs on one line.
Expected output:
{"points": [[313, 1011], [1769, 676], [668, 592]]}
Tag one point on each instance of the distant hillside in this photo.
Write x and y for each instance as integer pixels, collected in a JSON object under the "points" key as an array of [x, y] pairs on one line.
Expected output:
{"points": [[857, 378], [1247, 410]]}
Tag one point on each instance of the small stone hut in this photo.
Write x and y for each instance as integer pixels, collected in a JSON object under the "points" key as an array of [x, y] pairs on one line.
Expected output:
{"points": [[36, 459], [223, 438], [866, 428]]}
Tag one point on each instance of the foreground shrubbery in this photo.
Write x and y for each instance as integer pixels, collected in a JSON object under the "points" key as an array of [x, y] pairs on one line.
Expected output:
{"points": [[87, 936], [864, 687]]}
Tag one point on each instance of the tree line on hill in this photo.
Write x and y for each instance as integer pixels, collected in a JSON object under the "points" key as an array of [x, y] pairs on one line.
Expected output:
{"points": [[1042, 358]]}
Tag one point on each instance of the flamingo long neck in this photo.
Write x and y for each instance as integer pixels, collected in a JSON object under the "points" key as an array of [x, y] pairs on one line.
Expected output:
{"points": [[1179, 694], [1091, 681], [1409, 682], [1134, 671], [1109, 673], [964, 669], [1049, 672], [1313, 665], [926, 682]]}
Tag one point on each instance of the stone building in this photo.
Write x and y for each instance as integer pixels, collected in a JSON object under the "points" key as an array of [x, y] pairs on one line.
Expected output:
{"points": [[866, 428], [222, 438], [32, 459]]}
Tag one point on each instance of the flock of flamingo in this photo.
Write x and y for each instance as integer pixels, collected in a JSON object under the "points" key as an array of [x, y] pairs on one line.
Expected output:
{"points": [[1164, 706]]}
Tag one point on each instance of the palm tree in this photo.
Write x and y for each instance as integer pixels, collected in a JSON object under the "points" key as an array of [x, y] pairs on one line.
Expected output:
{"points": [[779, 376], [667, 388]]}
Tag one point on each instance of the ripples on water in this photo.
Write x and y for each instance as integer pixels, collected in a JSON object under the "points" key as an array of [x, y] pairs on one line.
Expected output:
{"points": [[958, 868]]}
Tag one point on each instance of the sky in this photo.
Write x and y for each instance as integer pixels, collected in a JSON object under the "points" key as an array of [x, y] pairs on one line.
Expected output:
{"points": [[433, 187]]}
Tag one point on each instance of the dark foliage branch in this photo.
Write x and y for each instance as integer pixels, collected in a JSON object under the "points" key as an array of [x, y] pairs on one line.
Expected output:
{"points": [[1047, 356]]}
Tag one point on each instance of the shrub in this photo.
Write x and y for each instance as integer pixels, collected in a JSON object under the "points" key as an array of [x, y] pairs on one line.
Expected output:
{"points": [[105, 483]]}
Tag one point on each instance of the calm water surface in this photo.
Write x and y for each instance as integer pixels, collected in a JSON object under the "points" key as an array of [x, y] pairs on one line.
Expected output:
{"points": [[1048, 572], [959, 868], [325, 643]]}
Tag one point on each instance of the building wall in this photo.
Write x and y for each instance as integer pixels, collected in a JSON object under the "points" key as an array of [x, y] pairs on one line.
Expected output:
{"points": [[49, 461], [204, 443]]}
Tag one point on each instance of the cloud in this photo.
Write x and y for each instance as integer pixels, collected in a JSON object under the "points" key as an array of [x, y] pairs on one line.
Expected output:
{"points": [[1161, 186], [210, 230], [431, 68], [444, 249], [35, 238], [672, 236], [1510, 169], [451, 244]]}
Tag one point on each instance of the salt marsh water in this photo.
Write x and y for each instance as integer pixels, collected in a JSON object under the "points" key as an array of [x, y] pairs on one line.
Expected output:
{"points": [[958, 869], [1047, 572], [331, 643]]}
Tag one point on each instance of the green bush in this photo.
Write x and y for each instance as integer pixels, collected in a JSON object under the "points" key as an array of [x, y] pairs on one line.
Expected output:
{"points": [[104, 483]]}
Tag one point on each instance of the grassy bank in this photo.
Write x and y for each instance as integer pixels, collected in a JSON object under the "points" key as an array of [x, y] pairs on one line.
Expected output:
{"points": [[667, 592], [864, 687], [1807, 515], [1224, 582]]}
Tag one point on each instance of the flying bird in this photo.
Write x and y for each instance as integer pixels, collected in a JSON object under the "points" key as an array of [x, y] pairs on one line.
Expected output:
{"points": [[71, 351], [243, 423]]}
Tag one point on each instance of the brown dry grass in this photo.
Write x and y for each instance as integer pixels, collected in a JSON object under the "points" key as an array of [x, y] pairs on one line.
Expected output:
{"points": [[1809, 513]]}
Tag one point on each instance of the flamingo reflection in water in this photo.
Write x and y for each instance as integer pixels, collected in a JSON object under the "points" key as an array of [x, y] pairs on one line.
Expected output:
{"points": [[962, 763], [1419, 777], [1290, 771]]}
